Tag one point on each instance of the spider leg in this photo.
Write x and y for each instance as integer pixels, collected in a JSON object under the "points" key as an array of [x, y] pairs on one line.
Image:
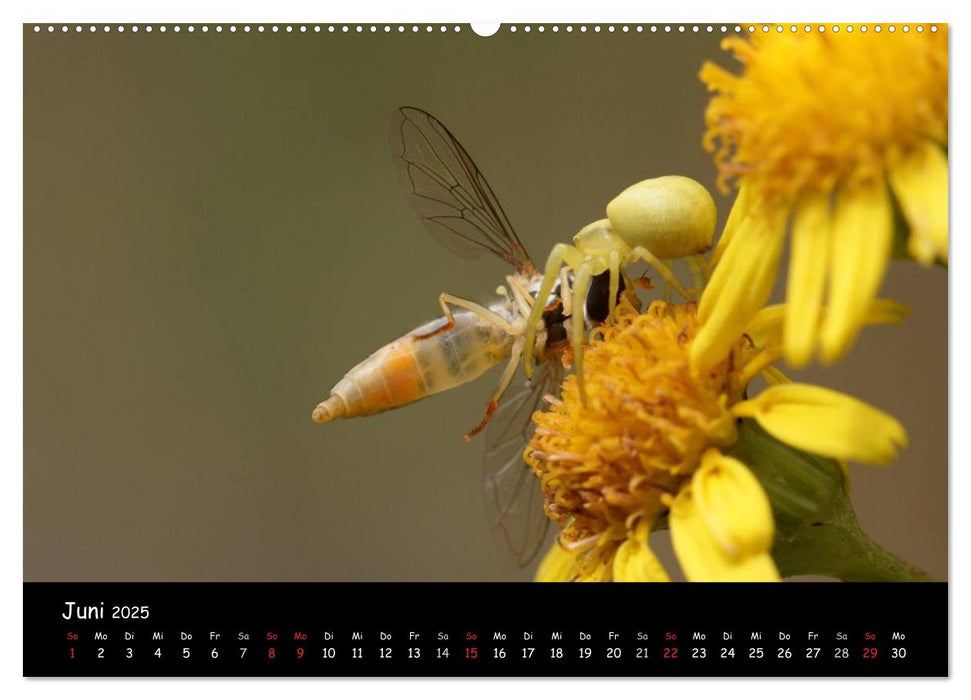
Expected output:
{"points": [[581, 284], [561, 253], [614, 266], [663, 270], [566, 293], [697, 265]]}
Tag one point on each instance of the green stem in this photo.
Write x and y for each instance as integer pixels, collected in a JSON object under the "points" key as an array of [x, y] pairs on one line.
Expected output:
{"points": [[816, 528], [842, 550]]}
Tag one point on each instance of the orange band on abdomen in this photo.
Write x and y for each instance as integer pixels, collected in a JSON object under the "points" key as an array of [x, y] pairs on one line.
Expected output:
{"points": [[402, 377]]}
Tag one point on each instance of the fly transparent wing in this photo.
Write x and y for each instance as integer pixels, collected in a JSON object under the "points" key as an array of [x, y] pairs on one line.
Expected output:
{"points": [[448, 192], [514, 499]]}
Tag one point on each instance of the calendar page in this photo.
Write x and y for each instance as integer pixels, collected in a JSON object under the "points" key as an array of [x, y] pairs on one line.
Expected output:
{"points": [[356, 349]]}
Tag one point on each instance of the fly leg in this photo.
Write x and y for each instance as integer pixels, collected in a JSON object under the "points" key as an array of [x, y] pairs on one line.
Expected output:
{"points": [[520, 295], [507, 375], [447, 300]]}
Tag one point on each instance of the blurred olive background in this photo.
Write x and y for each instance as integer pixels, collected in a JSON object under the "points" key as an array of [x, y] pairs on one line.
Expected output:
{"points": [[214, 235]]}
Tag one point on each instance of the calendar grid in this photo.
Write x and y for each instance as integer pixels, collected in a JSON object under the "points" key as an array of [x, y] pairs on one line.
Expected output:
{"points": [[412, 629]]}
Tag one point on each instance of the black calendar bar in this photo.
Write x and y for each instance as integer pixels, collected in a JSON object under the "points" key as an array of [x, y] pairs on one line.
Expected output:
{"points": [[435, 629]]}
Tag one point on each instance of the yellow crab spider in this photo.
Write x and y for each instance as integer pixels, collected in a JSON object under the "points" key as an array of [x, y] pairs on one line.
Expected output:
{"points": [[664, 217]]}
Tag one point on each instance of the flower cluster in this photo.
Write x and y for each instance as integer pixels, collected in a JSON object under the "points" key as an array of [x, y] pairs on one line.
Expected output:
{"points": [[828, 136], [650, 441]]}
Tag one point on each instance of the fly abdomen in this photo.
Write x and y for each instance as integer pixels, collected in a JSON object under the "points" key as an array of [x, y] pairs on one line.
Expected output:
{"points": [[413, 367]]}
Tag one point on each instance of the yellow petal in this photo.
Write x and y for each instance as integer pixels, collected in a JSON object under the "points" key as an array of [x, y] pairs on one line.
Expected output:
{"points": [[755, 366], [740, 285], [634, 560], [766, 326], [920, 183], [886, 312], [700, 554], [774, 375], [738, 212], [598, 569], [826, 423], [556, 566], [808, 263], [747, 206], [733, 504], [862, 240]]}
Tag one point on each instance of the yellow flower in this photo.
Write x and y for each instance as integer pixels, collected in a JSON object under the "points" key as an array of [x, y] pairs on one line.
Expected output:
{"points": [[825, 134], [650, 442]]}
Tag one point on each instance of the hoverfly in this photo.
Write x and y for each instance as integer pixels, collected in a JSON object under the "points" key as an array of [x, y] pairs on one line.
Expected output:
{"points": [[458, 207]]}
